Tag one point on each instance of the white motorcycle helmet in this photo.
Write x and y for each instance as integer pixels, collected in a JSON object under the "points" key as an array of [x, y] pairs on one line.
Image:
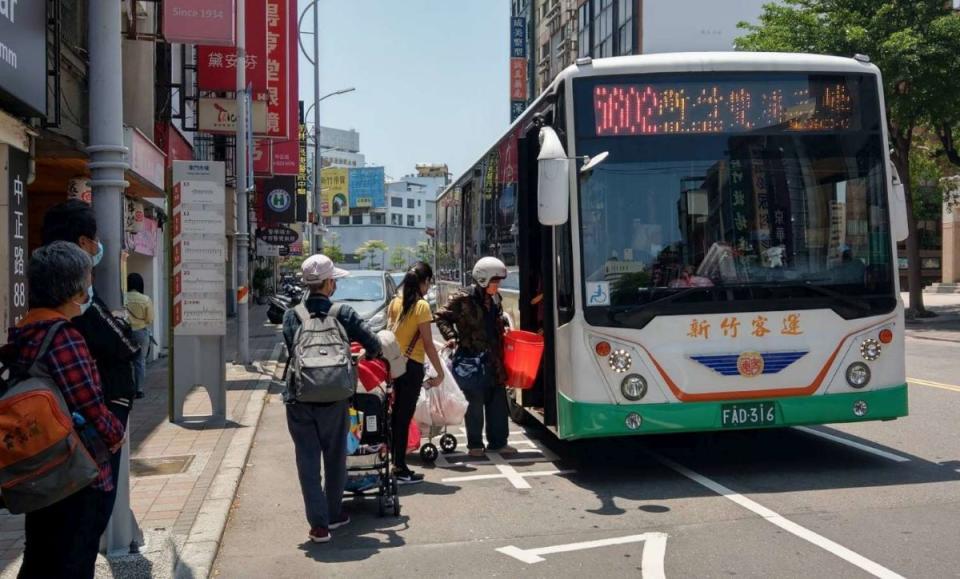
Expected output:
{"points": [[488, 268]]}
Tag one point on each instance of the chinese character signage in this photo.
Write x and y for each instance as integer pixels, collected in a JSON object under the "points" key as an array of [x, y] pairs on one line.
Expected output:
{"points": [[335, 201], [279, 37], [263, 157], [518, 79], [196, 21], [518, 37], [758, 326], [199, 248], [366, 187], [219, 116], [217, 65], [302, 175], [17, 242]]}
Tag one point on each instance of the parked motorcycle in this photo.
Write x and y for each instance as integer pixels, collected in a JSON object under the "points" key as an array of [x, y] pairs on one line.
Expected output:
{"points": [[288, 297]]}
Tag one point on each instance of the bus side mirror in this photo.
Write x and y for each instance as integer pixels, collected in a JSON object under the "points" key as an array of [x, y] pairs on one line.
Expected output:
{"points": [[553, 180], [898, 207]]}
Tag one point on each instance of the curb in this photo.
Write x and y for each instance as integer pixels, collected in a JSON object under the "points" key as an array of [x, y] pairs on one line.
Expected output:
{"points": [[203, 543]]}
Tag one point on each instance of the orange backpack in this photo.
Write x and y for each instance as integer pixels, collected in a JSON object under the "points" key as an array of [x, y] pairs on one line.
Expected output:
{"points": [[42, 458]]}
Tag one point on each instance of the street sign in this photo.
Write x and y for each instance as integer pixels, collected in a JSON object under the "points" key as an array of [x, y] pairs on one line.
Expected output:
{"points": [[278, 235]]}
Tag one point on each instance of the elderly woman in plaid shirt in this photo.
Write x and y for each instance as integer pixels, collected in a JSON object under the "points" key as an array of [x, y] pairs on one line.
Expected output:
{"points": [[62, 540]]}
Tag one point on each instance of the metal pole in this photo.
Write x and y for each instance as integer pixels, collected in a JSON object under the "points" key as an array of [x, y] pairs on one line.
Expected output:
{"points": [[107, 165], [317, 244], [243, 236]]}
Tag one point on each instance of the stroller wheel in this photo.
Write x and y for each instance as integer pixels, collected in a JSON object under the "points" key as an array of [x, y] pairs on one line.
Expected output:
{"points": [[448, 443], [396, 506], [382, 505], [429, 452]]}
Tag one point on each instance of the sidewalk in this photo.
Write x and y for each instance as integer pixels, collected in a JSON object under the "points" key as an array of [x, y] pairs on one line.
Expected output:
{"points": [[945, 326], [183, 477]]}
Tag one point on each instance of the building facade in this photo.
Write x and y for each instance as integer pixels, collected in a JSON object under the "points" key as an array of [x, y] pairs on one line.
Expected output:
{"points": [[555, 46]]}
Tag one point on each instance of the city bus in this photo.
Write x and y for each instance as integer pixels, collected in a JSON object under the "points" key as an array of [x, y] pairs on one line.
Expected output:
{"points": [[706, 241]]}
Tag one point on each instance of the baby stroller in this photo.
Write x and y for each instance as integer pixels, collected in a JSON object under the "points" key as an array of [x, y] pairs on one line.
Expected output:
{"points": [[369, 467]]}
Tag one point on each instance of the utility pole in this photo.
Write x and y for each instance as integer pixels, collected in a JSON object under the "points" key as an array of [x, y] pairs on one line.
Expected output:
{"points": [[240, 174], [317, 244], [107, 165]]}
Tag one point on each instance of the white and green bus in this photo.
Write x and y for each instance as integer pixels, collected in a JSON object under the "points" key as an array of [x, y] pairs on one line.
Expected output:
{"points": [[714, 237]]}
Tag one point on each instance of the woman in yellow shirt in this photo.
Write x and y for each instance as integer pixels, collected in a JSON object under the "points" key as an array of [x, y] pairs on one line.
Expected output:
{"points": [[410, 319], [140, 310]]}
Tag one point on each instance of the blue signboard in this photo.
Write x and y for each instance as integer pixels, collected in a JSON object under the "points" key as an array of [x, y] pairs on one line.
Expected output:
{"points": [[518, 37], [366, 187]]}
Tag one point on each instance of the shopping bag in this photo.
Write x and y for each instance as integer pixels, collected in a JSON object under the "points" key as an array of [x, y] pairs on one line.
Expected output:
{"points": [[413, 440], [444, 405]]}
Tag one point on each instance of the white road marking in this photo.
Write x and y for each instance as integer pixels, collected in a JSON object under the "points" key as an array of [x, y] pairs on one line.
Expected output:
{"points": [[824, 543], [853, 444], [654, 551]]}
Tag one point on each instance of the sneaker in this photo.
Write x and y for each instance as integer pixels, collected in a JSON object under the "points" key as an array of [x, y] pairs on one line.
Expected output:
{"points": [[343, 521], [505, 449], [319, 535], [140, 395], [408, 477], [477, 452]]}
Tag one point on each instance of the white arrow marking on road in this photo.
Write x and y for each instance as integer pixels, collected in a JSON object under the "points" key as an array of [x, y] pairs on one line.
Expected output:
{"points": [[654, 551]]}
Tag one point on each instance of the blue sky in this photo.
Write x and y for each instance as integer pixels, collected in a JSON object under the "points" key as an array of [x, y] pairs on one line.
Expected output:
{"points": [[431, 77]]}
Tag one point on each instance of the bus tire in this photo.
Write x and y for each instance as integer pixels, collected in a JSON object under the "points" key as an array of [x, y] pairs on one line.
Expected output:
{"points": [[517, 413]]}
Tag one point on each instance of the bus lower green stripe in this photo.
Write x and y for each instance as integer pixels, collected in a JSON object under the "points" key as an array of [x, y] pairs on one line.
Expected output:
{"points": [[588, 420]]}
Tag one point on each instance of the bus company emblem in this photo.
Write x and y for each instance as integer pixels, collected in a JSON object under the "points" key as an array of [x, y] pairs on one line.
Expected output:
{"points": [[749, 364]]}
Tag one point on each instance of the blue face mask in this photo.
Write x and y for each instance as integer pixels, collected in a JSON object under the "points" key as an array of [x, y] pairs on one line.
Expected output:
{"points": [[86, 305], [99, 256]]}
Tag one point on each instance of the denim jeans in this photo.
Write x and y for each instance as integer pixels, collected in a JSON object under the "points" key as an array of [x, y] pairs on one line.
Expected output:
{"points": [[493, 402], [319, 433], [142, 337], [62, 540]]}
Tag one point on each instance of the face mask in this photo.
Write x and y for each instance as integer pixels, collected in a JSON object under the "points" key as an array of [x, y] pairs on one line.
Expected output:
{"points": [[99, 255], [86, 305]]}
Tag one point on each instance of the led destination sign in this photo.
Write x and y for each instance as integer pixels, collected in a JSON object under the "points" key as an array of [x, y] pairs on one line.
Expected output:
{"points": [[703, 106]]}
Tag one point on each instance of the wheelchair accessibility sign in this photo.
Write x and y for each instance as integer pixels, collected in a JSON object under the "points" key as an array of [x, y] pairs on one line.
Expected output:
{"points": [[598, 293]]}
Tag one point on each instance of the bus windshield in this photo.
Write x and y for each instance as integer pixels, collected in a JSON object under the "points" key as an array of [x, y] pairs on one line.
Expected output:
{"points": [[732, 193]]}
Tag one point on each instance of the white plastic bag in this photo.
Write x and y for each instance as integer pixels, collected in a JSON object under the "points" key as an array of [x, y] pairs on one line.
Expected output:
{"points": [[444, 405]]}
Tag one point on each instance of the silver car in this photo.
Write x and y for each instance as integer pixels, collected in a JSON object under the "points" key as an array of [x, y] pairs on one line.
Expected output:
{"points": [[369, 293]]}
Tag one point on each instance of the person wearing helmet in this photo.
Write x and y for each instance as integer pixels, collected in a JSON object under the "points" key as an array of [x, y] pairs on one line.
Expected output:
{"points": [[472, 322]]}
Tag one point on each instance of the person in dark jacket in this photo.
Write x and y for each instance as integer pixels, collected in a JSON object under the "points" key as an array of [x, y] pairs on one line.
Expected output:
{"points": [[472, 322], [109, 339], [62, 540], [319, 431]]}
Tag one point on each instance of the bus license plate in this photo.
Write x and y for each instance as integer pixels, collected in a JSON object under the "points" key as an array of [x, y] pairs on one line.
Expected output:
{"points": [[748, 414]]}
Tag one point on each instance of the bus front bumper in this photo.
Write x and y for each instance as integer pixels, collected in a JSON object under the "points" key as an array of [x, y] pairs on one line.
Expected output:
{"points": [[588, 420]]}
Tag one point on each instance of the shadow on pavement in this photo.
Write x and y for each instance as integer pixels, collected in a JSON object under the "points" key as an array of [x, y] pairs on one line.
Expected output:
{"points": [[362, 536]]}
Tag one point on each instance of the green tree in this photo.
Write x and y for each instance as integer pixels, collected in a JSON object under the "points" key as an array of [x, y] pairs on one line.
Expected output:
{"points": [[332, 249], [398, 259], [916, 45], [424, 252], [369, 250]]}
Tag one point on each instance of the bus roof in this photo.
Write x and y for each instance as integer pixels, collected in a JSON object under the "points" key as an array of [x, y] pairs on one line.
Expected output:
{"points": [[730, 61]]}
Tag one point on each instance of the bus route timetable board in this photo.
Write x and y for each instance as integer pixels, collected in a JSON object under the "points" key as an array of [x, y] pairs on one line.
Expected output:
{"points": [[199, 249]]}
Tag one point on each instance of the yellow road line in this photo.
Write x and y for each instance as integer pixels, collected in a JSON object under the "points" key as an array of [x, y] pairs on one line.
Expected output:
{"points": [[940, 385]]}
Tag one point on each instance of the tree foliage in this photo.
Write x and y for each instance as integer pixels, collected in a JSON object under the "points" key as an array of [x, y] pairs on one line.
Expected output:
{"points": [[332, 249], [399, 257], [370, 249], [915, 44], [424, 252]]}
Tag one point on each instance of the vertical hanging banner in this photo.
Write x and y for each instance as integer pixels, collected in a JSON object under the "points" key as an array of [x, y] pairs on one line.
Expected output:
{"points": [[518, 66], [199, 248], [263, 157], [279, 37], [302, 176], [286, 152], [18, 169], [217, 65], [199, 22]]}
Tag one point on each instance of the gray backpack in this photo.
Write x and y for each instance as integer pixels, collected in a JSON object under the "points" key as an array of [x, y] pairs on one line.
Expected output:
{"points": [[323, 369], [42, 458]]}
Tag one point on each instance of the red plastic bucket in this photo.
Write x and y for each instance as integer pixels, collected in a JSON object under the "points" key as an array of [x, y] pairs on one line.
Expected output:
{"points": [[522, 352]]}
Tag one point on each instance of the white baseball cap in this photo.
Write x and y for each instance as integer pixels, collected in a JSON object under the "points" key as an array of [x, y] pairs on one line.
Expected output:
{"points": [[319, 268]]}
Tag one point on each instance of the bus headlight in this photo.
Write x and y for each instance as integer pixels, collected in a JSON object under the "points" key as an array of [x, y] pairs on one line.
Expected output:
{"points": [[620, 361], [858, 374], [633, 387], [870, 349], [633, 421]]}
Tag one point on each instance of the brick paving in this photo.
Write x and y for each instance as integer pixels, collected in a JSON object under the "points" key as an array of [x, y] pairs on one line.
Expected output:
{"points": [[168, 504]]}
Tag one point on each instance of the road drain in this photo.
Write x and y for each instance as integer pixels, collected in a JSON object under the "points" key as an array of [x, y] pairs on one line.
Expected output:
{"points": [[163, 465]]}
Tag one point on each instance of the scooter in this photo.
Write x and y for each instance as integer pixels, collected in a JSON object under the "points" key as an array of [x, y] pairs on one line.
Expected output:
{"points": [[279, 304]]}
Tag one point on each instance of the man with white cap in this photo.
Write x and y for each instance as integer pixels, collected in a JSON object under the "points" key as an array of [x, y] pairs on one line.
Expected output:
{"points": [[319, 430]]}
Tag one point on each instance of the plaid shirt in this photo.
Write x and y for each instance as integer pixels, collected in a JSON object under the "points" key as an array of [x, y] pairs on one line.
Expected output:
{"points": [[71, 367]]}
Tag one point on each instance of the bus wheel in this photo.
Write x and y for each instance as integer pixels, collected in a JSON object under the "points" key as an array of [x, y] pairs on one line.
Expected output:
{"points": [[517, 413]]}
